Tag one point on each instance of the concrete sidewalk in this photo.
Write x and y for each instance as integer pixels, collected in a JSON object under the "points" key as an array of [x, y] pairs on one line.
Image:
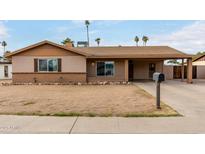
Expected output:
{"points": [[188, 99], [35, 124]]}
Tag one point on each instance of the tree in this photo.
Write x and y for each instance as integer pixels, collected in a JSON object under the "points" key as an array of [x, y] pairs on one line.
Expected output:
{"points": [[67, 40], [173, 61], [200, 53], [145, 39], [5, 53], [87, 23], [4, 44], [136, 40], [97, 40]]}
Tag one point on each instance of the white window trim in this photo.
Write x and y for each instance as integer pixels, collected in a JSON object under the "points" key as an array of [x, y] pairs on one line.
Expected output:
{"points": [[105, 69], [47, 59]]}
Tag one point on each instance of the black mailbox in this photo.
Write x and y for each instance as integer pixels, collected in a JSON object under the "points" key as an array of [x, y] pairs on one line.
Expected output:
{"points": [[158, 77]]}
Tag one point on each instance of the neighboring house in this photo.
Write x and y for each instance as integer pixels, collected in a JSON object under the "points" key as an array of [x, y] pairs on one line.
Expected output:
{"points": [[174, 71], [50, 62], [199, 60], [5, 70], [199, 64]]}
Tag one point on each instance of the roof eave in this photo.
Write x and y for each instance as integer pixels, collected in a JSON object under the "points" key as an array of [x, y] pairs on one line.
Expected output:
{"points": [[41, 43], [146, 57]]}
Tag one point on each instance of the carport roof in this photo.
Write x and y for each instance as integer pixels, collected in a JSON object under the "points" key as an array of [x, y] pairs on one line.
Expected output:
{"points": [[163, 52]]}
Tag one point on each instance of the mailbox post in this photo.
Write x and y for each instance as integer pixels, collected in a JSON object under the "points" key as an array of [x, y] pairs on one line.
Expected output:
{"points": [[158, 78], [158, 95]]}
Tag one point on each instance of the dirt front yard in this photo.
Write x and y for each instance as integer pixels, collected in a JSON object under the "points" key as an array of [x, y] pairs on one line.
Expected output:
{"points": [[84, 100]]}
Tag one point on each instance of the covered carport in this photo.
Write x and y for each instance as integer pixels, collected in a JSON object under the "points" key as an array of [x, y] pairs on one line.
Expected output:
{"points": [[143, 68]]}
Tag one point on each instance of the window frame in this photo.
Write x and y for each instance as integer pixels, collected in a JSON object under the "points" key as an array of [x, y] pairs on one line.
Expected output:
{"points": [[47, 59], [105, 69]]}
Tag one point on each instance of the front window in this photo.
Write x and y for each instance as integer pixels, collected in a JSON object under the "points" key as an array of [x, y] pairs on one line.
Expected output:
{"points": [[48, 65], [105, 68]]}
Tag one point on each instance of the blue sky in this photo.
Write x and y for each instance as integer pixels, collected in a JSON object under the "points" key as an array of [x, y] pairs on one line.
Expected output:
{"points": [[188, 36]]}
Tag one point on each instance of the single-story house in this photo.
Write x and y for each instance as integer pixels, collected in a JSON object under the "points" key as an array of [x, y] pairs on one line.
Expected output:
{"points": [[50, 62]]}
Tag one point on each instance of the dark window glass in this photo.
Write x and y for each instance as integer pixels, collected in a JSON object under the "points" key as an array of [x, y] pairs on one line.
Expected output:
{"points": [[100, 68], [52, 65], [42, 65], [48, 65], [105, 68], [109, 68]]}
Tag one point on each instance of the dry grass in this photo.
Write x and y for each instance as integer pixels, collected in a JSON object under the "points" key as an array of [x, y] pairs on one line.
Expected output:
{"points": [[86, 100]]}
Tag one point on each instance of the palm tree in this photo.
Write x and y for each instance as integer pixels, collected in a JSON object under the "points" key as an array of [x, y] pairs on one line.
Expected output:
{"points": [[87, 23], [67, 40], [98, 41], [136, 40], [4, 44], [145, 39]]}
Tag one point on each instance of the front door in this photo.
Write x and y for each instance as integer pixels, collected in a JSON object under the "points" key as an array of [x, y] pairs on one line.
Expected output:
{"points": [[152, 69], [131, 67]]}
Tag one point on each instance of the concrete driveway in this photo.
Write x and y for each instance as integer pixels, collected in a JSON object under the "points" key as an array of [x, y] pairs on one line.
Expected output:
{"points": [[188, 99]]}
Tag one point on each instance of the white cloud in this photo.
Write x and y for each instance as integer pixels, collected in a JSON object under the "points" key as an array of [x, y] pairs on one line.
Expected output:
{"points": [[92, 32], [81, 23], [108, 22], [78, 22], [3, 35], [97, 22], [3, 31], [62, 29], [73, 24], [190, 39]]}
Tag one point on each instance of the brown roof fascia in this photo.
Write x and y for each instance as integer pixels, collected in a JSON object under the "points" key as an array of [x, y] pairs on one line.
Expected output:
{"points": [[41, 43]]}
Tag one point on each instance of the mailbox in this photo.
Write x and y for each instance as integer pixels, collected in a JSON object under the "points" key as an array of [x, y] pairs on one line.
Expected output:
{"points": [[158, 77]]}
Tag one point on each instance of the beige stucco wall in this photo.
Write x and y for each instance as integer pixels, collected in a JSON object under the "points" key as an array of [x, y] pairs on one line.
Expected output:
{"points": [[22, 64], [119, 74], [141, 68], [168, 71], [69, 63], [196, 63], [200, 72], [73, 64]]}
